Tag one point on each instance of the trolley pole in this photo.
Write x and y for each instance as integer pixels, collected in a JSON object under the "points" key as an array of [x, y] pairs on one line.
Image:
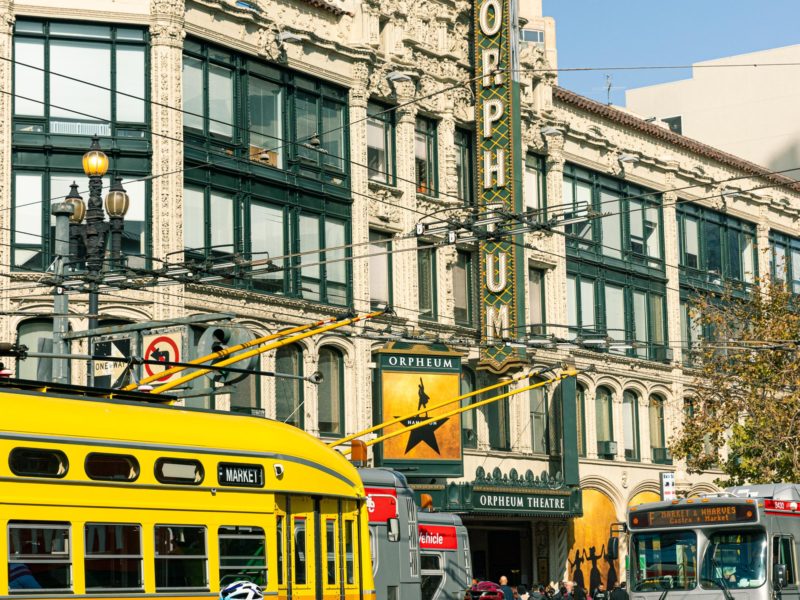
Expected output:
{"points": [[62, 212]]}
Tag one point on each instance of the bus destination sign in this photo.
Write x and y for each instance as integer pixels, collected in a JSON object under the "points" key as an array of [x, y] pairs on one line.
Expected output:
{"points": [[240, 475], [687, 516]]}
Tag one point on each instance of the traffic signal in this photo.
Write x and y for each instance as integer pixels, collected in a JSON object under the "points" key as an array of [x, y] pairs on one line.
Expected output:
{"points": [[215, 339]]}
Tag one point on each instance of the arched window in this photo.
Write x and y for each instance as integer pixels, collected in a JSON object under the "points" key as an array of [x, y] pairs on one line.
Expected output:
{"points": [[580, 408], [538, 405], [330, 393], [658, 449], [604, 423], [630, 424], [28, 334], [289, 392], [469, 421]]}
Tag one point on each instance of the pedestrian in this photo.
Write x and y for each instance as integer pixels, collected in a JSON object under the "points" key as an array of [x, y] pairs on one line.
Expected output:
{"points": [[522, 592], [578, 593], [508, 593], [620, 592], [600, 593]]}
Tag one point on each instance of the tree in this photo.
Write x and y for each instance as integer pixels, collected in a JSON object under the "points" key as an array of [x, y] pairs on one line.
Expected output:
{"points": [[746, 388]]}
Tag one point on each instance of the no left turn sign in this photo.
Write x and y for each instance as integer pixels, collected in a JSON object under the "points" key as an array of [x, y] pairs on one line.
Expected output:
{"points": [[164, 348]]}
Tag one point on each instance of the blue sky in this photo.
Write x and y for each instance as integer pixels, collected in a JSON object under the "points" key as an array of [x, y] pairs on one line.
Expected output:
{"points": [[611, 33]]}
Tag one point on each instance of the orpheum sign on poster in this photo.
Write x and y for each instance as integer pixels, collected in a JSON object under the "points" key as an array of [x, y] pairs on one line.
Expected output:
{"points": [[499, 170], [413, 378]]}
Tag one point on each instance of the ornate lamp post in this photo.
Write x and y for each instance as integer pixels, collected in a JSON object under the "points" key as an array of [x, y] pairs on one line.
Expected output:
{"points": [[94, 234]]}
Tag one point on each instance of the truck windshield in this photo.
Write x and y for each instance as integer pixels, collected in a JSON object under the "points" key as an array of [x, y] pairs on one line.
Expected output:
{"points": [[664, 560], [737, 560]]}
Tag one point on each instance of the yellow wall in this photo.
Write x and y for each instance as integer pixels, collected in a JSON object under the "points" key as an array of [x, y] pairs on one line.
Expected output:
{"points": [[643, 497], [587, 563]]}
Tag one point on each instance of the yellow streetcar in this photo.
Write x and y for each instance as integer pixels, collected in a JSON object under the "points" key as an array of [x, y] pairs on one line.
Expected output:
{"points": [[120, 498]]}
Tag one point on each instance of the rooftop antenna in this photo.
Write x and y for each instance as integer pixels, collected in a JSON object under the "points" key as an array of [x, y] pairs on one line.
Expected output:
{"points": [[608, 89]]}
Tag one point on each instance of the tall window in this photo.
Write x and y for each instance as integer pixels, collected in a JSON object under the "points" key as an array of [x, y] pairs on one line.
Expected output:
{"points": [[469, 428], [497, 417], [425, 153], [262, 115], [580, 407], [658, 449], [58, 105], [715, 247], [380, 268], [289, 391], [581, 303], [330, 392], [604, 422], [691, 332], [649, 324], [465, 166], [380, 143], [631, 229], [785, 260], [630, 424], [536, 308], [426, 279], [533, 194], [464, 288], [539, 418]]}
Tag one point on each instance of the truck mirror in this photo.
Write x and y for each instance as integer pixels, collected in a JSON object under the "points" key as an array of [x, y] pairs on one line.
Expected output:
{"points": [[613, 548], [779, 576], [393, 529]]}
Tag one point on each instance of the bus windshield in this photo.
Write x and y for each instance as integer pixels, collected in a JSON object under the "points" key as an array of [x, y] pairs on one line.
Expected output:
{"points": [[736, 560], [664, 560]]}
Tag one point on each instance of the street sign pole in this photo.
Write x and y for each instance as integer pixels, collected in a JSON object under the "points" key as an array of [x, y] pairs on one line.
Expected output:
{"points": [[62, 212]]}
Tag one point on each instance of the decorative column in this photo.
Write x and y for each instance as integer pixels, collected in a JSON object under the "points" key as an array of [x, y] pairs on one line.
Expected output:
{"points": [[671, 261], [166, 200], [6, 71], [556, 291]]}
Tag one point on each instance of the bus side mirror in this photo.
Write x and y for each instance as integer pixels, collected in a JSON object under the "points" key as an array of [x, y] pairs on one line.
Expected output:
{"points": [[393, 529], [779, 576], [613, 548]]}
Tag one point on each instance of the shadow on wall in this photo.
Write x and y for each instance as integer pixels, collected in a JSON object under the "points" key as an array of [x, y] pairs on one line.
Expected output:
{"points": [[588, 563], [787, 158]]}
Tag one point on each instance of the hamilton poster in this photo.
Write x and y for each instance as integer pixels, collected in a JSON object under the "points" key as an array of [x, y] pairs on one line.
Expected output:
{"points": [[417, 378]]}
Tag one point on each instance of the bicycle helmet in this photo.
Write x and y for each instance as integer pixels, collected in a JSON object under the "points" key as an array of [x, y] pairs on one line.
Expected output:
{"points": [[241, 590]]}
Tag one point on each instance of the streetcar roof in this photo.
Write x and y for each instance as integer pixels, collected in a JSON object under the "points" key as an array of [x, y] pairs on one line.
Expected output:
{"points": [[383, 477], [59, 417], [774, 491], [439, 518]]}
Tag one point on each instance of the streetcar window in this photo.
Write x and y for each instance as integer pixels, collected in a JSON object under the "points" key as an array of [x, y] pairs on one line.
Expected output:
{"points": [[178, 470], [430, 562], [783, 554], [113, 558], [299, 549], [181, 557], [432, 575], [736, 560], [330, 548], [279, 532], [348, 549], [39, 557], [38, 462], [242, 555], [664, 560], [112, 467]]}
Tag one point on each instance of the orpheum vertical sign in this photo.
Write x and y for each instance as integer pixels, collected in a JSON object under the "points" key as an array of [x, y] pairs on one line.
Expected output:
{"points": [[499, 166]]}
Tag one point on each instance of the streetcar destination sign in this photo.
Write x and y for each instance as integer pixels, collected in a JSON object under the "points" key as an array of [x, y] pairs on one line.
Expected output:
{"points": [[241, 475], [695, 515]]}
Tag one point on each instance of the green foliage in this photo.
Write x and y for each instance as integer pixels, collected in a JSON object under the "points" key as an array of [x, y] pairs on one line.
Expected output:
{"points": [[744, 414]]}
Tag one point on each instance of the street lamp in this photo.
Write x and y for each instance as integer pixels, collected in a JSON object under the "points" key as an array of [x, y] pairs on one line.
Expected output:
{"points": [[93, 235]]}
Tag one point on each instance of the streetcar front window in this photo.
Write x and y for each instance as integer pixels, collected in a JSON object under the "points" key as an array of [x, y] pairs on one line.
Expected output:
{"points": [[735, 560], [664, 560]]}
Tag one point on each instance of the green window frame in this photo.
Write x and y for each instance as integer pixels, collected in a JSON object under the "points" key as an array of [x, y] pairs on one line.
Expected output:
{"points": [[582, 304], [630, 425], [497, 417], [465, 165], [785, 260], [715, 248], [380, 268], [261, 224], [581, 418], [426, 154], [50, 136], [604, 416], [630, 236], [469, 419], [381, 143], [257, 117], [540, 416], [331, 392], [658, 440], [289, 394], [534, 186], [426, 279], [537, 311], [464, 288]]}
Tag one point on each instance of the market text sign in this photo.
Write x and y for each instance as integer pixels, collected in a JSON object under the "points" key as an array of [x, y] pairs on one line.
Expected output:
{"points": [[497, 167], [695, 515]]}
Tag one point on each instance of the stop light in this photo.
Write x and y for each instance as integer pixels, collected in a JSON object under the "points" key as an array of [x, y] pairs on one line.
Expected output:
{"points": [[215, 339]]}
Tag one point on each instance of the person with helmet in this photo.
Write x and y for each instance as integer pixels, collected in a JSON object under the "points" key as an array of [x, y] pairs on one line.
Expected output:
{"points": [[241, 590]]}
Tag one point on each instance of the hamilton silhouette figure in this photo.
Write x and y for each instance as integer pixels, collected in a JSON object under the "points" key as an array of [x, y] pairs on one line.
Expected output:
{"points": [[423, 397]]}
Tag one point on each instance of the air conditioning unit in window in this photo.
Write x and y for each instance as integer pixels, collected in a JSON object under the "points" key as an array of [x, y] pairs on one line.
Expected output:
{"points": [[264, 156], [606, 449], [662, 456]]}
